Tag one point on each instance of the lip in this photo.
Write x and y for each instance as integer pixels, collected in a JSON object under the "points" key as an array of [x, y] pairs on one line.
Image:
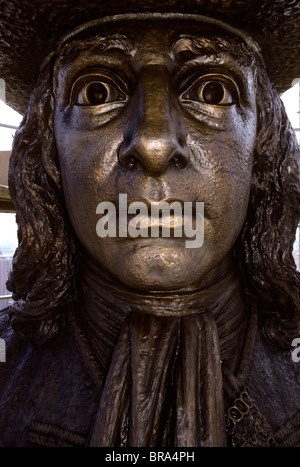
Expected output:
{"points": [[158, 204], [209, 212], [170, 221], [171, 225]]}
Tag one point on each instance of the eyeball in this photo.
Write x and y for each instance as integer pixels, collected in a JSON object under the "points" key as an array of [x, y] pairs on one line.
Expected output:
{"points": [[211, 92], [215, 93], [96, 92]]}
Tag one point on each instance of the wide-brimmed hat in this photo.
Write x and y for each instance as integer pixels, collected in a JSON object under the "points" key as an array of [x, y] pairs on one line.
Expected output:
{"points": [[31, 29]]}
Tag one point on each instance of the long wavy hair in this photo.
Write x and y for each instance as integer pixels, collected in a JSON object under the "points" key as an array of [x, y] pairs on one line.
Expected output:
{"points": [[43, 277]]}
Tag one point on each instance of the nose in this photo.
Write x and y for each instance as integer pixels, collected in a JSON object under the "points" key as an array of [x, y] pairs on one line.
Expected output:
{"points": [[153, 138]]}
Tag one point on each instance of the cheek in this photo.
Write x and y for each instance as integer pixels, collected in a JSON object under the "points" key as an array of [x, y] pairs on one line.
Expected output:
{"points": [[223, 165], [224, 158], [223, 162], [88, 159]]}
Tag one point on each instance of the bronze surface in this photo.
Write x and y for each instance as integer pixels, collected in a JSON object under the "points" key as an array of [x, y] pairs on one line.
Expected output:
{"points": [[123, 341]]}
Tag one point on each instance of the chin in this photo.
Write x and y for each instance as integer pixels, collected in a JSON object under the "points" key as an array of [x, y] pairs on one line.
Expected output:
{"points": [[157, 268], [155, 282]]}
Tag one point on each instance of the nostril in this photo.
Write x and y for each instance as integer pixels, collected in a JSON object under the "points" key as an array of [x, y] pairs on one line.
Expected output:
{"points": [[129, 161], [179, 161]]}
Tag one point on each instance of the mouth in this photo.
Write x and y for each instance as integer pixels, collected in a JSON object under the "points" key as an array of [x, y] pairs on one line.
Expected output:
{"points": [[169, 218], [147, 226]]}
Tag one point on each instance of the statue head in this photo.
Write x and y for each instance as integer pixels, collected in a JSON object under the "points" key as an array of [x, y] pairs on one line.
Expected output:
{"points": [[160, 108]]}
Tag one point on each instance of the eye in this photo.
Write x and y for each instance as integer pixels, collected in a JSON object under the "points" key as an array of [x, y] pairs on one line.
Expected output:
{"points": [[96, 92], [212, 92]]}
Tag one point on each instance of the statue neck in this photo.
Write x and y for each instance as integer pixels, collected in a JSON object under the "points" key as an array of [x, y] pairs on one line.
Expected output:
{"points": [[105, 303]]}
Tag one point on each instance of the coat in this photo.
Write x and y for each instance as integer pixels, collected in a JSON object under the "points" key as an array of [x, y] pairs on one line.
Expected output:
{"points": [[49, 395]]}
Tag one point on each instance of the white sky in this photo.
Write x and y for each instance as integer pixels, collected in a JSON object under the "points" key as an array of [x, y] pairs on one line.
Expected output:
{"points": [[8, 230], [8, 116], [291, 100]]}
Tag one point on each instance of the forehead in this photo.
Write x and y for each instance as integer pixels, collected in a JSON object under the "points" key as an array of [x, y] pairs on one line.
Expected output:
{"points": [[173, 41]]}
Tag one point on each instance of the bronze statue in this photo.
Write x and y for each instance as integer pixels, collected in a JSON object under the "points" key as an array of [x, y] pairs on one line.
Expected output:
{"points": [[141, 341]]}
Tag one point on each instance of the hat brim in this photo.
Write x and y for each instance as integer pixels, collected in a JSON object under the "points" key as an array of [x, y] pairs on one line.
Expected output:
{"points": [[30, 30]]}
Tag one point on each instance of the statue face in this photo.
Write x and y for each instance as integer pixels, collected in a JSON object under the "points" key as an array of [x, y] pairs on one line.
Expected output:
{"points": [[156, 112]]}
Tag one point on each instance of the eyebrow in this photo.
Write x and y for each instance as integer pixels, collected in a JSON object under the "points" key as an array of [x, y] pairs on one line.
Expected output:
{"points": [[100, 43], [201, 45], [116, 41]]}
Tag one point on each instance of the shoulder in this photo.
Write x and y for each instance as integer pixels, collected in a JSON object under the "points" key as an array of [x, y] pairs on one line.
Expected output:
{"points": [[46, 390], [274, 382], [12, 347]]}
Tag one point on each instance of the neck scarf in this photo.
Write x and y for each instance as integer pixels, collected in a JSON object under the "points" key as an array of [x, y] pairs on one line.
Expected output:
{"points": [[161, 358]]}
